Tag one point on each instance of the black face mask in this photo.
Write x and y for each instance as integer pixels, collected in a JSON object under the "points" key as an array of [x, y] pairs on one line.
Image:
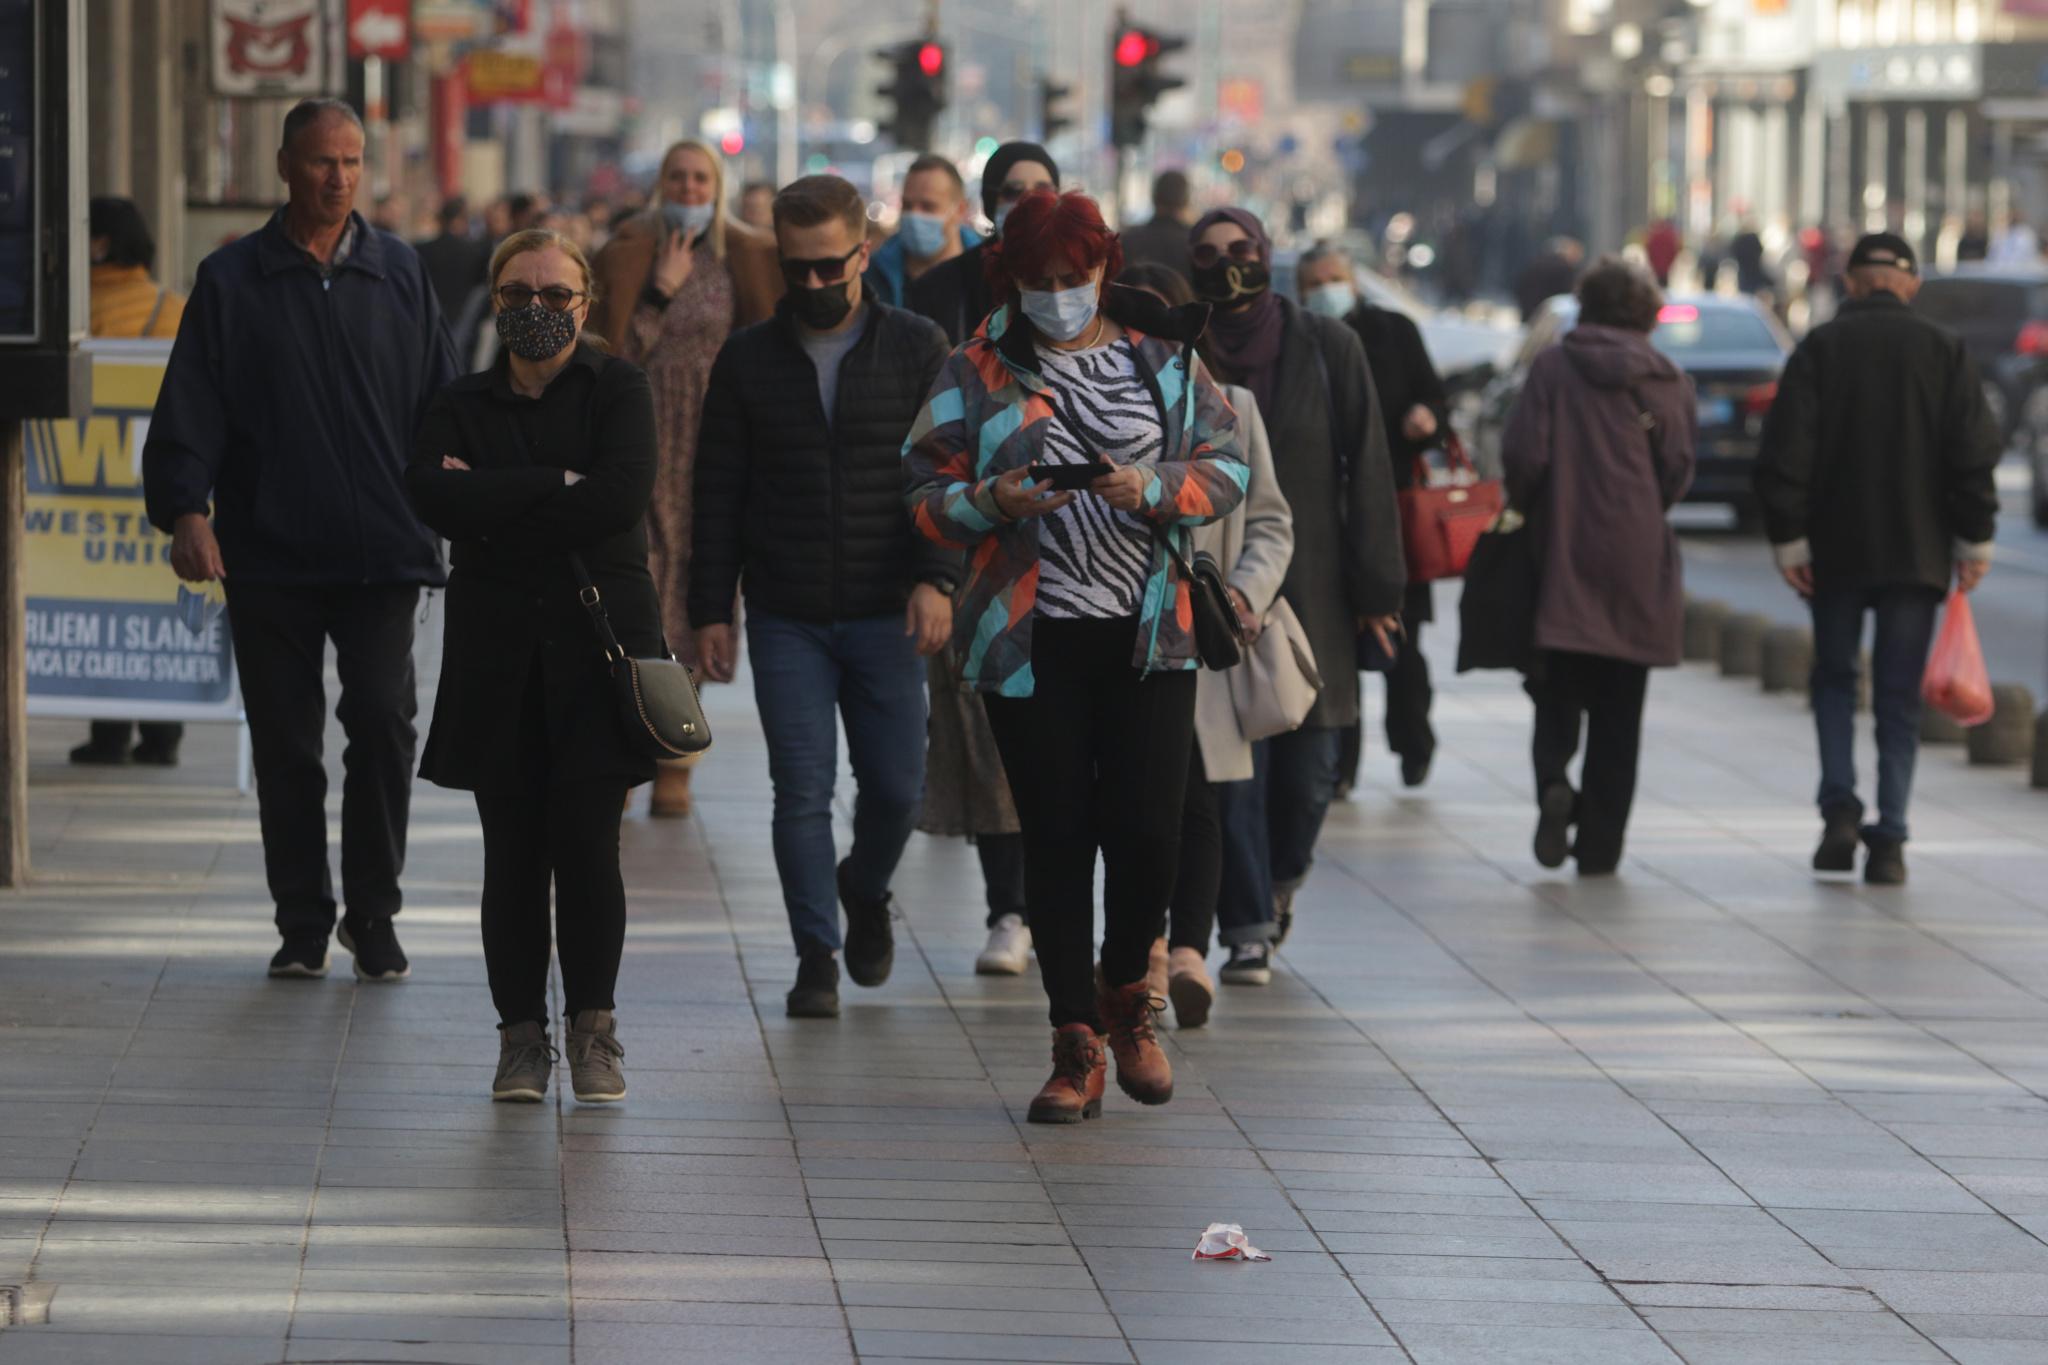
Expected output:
{"points": [[1231, 282], [820, 309], [536, 332]]}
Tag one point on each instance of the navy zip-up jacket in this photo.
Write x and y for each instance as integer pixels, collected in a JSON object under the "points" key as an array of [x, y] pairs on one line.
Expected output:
{"points": [[289, 407]]}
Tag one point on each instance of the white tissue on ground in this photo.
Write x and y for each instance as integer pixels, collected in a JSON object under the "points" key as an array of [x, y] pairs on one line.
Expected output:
{"points": [[1227, 1242]]}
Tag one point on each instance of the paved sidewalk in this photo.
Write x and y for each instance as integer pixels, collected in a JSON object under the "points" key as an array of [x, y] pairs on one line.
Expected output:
{"points": [[1710, 1111]]}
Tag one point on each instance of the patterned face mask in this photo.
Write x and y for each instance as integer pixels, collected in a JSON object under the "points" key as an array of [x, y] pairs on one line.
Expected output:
{"points": [[536, 332]]}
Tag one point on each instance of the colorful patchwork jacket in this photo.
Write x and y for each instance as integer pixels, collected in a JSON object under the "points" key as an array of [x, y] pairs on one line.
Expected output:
{"points": [[988, 413]]}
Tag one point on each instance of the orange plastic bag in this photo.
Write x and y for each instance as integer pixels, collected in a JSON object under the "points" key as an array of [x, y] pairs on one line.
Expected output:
{"points": [[1956, 683]]}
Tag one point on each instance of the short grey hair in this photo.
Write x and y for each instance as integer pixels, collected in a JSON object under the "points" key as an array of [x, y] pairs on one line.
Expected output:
{"points": [[311, 111]]}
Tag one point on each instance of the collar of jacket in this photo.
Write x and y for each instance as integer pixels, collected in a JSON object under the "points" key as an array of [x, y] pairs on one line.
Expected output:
{"points": [[1139, 312], [500, 373], [1877, 298], [275, 249]]}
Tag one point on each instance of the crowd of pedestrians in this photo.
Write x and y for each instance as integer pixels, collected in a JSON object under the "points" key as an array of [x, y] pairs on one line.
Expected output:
{"points": [[1081, 537]]}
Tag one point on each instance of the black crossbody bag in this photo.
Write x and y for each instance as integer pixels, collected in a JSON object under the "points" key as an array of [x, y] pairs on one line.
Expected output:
{"points": [[658, 704]]}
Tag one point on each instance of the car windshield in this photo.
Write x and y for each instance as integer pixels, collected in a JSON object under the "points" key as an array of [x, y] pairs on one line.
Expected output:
{"points": [[1684, 328]]}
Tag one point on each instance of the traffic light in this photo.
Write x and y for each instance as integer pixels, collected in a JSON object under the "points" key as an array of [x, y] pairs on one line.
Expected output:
{"points": [[917, 90], [1050, 119], [1136, 80]]}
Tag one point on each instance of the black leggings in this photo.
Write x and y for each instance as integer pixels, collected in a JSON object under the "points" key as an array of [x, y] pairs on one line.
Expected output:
{"points": [[1097, 758], [1193, 918], [567, 834], [1606, 697]]}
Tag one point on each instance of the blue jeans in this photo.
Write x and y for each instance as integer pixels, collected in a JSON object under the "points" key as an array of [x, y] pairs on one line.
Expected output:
{"points": [[870, 672], [1270, 827], [1898, 658]]}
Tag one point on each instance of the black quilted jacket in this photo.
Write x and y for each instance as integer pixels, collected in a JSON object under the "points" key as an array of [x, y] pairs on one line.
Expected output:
{"points": [[808, 516]]}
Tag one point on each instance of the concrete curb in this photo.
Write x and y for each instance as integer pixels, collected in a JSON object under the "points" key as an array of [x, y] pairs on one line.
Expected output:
{"points": [[1787, 662], [1703, 631], [2007, 738], [1742, 645]]}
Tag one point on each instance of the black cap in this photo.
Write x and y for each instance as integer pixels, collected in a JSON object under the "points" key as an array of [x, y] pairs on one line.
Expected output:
{"points": [[1883, 248], [997, 168]]}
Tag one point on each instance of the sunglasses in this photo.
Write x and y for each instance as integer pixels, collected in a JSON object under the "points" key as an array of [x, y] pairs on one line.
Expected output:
{"points": [[556, 298], [1243, 250], [828, 269]]}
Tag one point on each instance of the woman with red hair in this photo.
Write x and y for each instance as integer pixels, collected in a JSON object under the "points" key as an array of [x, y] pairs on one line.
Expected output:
{"points": [[1065, 447]]}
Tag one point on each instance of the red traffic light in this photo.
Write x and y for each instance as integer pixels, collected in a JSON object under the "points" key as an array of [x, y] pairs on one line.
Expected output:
{"points": [[931, 59], [1134, 47]]}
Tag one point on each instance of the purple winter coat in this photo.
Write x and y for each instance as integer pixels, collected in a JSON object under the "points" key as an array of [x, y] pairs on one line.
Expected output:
{"points": [[1579, 464]]}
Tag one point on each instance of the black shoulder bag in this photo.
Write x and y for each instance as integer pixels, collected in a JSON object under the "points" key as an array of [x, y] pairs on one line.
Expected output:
{"points": [[658, 704]]}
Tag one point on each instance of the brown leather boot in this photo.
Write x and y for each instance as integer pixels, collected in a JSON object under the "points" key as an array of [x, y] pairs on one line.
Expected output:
{"points": [[1190, 989], [1141, 1066], [1155, 970], [671, 800], [1074, 1092]]}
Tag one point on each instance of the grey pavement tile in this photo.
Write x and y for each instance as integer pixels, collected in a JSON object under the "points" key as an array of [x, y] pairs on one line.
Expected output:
{"points": [[1915, 1291], [1496, 1289], [31, 1346], [1809, 1298], [1400, 1314], [313, 1351], [1255, 1332], [990, 1253], [757, 1279], [1076, 1320], [708, 1313], [1076, 1350], [1750, 1348], [1229, 1353], [1779, 1324], [852, 1270], [472, 1329], [1519, 1345], [634, 1343], [764, 1241]]}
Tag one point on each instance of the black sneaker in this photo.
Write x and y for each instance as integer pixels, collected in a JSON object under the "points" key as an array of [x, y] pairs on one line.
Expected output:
{"points": [[1838, 839], [95, 755], [1251, 964], [816, 992], [1885, 864], [1415, 769], [870, 938], [1554, 824], [156, 755], [374, 944], [305, 955]]}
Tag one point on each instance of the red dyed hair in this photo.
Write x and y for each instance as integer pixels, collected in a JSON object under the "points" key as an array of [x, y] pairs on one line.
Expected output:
{"points": [[1049, 234]]}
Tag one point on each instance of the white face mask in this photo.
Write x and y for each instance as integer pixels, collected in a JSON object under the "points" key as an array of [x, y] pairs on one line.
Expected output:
{"points": [[1061, 314], [1333, 300], [688, 219]]}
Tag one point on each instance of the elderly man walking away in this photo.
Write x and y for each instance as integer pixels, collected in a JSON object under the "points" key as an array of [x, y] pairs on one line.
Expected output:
{"points": [[308, 351], [1877, 483]]}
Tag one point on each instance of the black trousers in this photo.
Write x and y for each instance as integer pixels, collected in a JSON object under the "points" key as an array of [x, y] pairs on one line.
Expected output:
{"points": [[1191, 920], [280, 636], [1002, 872], [1607, 696], [1097, 758], [1409, 698], [567, 834]]}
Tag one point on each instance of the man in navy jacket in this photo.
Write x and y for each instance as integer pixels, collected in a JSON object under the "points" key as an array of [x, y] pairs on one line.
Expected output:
{"points": [[306, 356]]}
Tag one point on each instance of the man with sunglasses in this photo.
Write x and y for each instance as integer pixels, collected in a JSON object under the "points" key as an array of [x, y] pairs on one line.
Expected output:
{"points": [[799, 506], [276, 462], [955, 294]]}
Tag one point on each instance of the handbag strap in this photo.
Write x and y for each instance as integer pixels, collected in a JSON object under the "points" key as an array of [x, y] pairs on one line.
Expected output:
{"points": [[593, 603], [1652, 428]]}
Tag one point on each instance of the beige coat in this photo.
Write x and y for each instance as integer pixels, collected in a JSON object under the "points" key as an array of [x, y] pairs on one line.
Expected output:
{"points": [[1252, 546], [626, 263]]}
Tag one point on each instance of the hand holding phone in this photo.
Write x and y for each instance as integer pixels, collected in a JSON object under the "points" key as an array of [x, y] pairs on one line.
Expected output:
{"points": [[1069, 478]]}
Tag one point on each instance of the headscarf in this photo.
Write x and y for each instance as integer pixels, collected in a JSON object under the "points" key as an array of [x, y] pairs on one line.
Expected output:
{"points": [[1247, 340], [997, 169]]}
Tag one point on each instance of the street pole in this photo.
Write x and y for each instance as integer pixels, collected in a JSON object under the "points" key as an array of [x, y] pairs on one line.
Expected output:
{"points": [[13, 664]]}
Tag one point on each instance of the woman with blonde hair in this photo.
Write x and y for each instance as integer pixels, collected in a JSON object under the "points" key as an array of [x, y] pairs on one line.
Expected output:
{"points": [[537, 471], [673, 282]]}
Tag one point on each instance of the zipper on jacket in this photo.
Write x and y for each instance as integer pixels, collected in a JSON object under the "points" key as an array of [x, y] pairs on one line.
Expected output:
{"points": [[355, 492]]}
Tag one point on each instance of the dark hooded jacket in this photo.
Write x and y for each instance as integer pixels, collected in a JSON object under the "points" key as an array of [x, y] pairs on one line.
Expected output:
{"points": [[1596, 486], [954, 294]]}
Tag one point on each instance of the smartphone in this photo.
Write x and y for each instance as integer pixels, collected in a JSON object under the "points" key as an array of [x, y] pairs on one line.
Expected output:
{"points": [[1375, 658], [1069, 477]]}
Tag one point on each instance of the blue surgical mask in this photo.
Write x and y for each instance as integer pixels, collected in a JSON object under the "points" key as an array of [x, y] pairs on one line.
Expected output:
{"points": [[1002, 212], [924, 234], [688, 219], [1061, 314], [1333, 300]]}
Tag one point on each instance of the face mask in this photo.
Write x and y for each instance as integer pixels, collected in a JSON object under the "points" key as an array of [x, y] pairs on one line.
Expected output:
{"points": [[688, 219], [1228, 282], [821, 309], [1002, 212], [1061, 314], [536, 332], [924, 234], [1333, 300]]}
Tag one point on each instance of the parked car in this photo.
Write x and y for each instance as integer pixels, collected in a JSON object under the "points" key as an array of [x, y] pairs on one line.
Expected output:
{"points": [[1734, 349], [2001, 313]]}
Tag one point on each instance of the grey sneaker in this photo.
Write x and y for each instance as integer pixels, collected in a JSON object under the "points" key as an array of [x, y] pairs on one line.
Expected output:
{"points": [[525, 1060], [594, 1057]]}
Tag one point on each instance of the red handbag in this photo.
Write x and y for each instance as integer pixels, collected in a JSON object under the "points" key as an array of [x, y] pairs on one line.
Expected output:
{"points": [[1442, 521]]}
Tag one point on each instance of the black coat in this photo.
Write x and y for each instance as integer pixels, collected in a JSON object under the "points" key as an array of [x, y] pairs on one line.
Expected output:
{"points": [[1879, 450], [456, 265], [1405, 378], [808, 515], [954, 294], [514, 623]]}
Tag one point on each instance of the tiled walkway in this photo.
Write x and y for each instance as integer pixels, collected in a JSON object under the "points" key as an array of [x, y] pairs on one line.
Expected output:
{"points": [[1710, 1111]]}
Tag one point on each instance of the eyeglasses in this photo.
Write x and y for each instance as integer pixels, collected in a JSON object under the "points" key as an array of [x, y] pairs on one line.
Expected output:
{"points": [[1242, 250], [828, 269], [557, 298]]}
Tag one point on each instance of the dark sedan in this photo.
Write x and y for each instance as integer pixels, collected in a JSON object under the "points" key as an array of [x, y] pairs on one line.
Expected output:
{"points": [[2001, 313], [1732, 347]]}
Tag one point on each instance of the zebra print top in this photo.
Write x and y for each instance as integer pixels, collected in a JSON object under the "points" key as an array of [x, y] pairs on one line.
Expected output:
{"points": [[1092, 559]]}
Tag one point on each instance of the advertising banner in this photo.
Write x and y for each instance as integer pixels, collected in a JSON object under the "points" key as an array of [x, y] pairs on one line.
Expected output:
{"points": [[272, 48], [111, 633]]}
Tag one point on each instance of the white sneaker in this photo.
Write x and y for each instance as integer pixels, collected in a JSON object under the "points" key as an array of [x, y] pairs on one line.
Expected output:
{"points": [[1009, 949]]}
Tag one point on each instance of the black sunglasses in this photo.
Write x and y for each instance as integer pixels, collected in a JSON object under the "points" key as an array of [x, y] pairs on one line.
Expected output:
{"points": [[829, 269], [1241, 250], [556, 298]]}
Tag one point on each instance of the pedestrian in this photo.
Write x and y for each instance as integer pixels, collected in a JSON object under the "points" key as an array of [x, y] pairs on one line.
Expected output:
{"points": [[1598, 448], [455, 261], [800, 507], [757, 206], [675, 282], [1346, 578], [1877, 476], [1163, 240], [127, 302], [1661, 247], [931, 230], [305, 359], [1251, 548], [1415, 410], [1064, 617], [525, 716], [956, 294], [1552, 273]]}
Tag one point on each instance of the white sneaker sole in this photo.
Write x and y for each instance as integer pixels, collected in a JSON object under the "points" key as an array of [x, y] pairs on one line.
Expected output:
{"points": [[341, 936], [610, 1098], [519, 1095], [1261, 976], [985, 965]]}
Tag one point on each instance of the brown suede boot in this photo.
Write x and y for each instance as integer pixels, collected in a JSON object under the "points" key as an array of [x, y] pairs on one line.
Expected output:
{"points": [[1190, 989], [1141, 1066], [1074, 1092], [1155, 970], [671, 800]]}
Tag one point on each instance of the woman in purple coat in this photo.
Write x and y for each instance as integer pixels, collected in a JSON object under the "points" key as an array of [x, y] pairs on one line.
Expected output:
{"points": [[1598, 448]]}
